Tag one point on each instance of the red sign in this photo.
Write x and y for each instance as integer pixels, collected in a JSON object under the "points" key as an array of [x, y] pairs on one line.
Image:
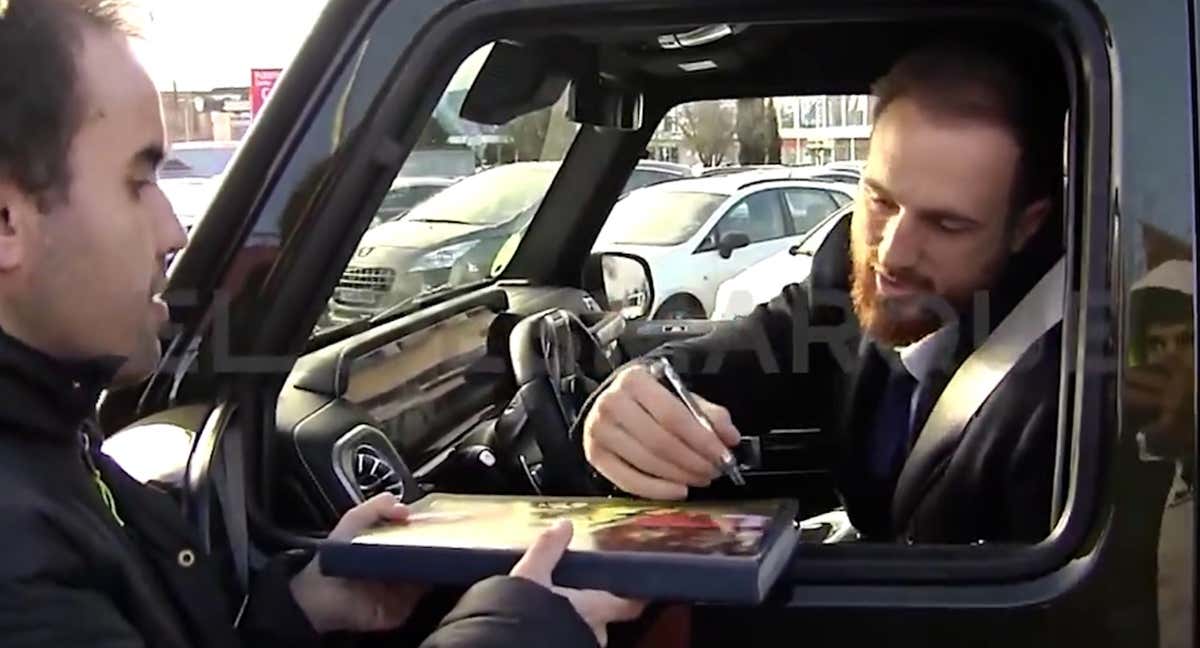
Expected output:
{"points": [[262, 81]]}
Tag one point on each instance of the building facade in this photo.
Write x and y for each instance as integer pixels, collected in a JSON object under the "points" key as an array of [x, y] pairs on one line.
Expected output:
{"points": [[814, 130]]}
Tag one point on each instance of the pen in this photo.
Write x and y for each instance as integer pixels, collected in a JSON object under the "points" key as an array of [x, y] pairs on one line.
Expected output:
{"points": [[662, 367]]}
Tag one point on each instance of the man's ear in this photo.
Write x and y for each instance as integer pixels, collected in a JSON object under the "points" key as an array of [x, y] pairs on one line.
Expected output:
{"points": [[1029, 221], [16, 217]]}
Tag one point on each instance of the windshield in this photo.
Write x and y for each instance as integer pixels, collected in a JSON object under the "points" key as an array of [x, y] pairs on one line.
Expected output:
{"points": [[658, 217], [494, 179], [489, 198]]}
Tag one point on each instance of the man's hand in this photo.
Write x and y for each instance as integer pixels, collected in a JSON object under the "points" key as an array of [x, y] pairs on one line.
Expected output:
{"points": [[333, 604], [1162, 396], [598, 609], [644, 440]]}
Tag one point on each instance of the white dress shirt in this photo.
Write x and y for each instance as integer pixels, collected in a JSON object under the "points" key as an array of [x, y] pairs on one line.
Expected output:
{"points": [[923, 356]]}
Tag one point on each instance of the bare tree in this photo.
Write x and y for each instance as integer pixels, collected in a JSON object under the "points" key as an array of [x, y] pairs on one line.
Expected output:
{"points": [[708, 128]]}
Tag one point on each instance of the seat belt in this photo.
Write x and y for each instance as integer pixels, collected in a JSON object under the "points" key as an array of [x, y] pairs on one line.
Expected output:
{"points": [[1038, 312], [229, 482]]}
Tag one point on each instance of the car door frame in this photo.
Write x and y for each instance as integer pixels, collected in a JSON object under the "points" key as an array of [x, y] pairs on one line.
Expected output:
{"points": [[362, 171]]}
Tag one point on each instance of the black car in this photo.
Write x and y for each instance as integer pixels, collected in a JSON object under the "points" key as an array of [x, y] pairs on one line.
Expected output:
{"points": [[449, 391]]}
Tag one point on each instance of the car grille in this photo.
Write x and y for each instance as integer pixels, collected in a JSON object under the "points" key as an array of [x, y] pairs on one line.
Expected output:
{"points": [[372, 279]]}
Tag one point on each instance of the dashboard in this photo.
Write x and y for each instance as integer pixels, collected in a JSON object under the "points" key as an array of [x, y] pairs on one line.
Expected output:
{"points": [[412, 406]]}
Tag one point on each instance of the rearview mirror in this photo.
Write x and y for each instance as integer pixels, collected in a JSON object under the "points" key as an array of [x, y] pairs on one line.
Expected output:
{"points": [[594, 102], [731, 241], [620, 282], [523, 77], [516, 79]]}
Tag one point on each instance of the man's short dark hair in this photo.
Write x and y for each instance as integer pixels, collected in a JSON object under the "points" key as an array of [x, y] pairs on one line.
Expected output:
{"points": [[41, 107], [962, 80]]}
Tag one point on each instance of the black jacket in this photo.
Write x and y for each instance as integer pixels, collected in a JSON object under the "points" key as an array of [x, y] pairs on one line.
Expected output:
{"points": [[801, 361], [74, 571]]}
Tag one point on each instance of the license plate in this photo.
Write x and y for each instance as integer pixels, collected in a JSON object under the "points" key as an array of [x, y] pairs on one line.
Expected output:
{"points": [[357, 297]]}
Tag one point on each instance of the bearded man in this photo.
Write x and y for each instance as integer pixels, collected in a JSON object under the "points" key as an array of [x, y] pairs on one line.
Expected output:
{"points": [[956, 221]]}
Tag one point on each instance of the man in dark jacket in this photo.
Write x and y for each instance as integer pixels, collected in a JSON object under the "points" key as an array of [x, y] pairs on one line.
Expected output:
{"points": [[964, 166], [89, 556]]}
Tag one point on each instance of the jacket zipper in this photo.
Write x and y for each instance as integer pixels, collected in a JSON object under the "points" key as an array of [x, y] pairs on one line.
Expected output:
{"points": [[106, 494]]}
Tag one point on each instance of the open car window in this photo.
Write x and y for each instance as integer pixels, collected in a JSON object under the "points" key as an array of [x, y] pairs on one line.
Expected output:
{"points": [[430, 253]]}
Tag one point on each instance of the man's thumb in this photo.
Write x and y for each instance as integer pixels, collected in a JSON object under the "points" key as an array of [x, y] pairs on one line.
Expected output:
{"points": [[540, 559]]}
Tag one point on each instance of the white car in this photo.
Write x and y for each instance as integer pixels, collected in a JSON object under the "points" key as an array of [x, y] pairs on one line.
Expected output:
{"points": [[190, 197], [696, 233], [762, 281]]}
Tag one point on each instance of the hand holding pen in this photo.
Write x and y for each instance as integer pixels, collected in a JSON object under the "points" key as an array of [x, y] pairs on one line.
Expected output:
{"points": [[661, 368], [649, 436]]}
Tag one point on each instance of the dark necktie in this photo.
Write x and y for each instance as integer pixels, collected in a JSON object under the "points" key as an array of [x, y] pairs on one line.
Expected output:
{"points": [[891, 432]]}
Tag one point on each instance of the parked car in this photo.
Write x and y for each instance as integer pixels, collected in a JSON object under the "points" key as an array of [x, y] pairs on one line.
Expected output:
{"points": [[406, 193], [736, 168], [697, 233], [190, 197], [454, 236], [197, 159], [760, 282]]}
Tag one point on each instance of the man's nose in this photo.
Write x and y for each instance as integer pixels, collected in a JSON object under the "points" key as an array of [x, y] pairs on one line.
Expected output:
{"points": [[900, 244], [171, 236]]}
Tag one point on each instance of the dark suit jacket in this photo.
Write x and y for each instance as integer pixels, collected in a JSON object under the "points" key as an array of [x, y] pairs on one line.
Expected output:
{"points": [[801, 360]]}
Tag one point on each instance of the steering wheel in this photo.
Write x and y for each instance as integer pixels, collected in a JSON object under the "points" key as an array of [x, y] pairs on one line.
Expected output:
{"points": [[557, 362]]}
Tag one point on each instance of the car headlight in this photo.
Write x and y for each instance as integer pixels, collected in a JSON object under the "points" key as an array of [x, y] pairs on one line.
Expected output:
{"points": [[443, 257]]}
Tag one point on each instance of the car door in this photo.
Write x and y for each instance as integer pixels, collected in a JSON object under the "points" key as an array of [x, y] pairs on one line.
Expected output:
{"points": [[760, 216]]}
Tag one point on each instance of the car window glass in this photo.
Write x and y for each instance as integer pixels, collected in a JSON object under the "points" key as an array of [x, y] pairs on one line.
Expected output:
{"points": [[426, 239], [807, 207], [758, 216]]}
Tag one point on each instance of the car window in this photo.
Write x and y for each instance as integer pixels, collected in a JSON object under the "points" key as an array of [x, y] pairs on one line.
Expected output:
{"points": [[758, 216], [425, 240], [658, 217], [807, 207]]}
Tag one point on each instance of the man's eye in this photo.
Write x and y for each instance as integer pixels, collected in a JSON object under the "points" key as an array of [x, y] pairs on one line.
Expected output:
{"points": [[882, 203], [953, 225]]}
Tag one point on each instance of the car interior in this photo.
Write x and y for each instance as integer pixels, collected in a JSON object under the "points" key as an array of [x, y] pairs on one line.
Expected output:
{"points": [[476, 389]]}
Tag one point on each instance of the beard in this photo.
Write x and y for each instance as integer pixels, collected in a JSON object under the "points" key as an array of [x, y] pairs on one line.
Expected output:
{"points": [[893, 321]]}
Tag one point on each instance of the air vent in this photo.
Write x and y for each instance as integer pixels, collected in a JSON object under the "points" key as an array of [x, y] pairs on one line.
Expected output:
{"points": [[374, 475]]}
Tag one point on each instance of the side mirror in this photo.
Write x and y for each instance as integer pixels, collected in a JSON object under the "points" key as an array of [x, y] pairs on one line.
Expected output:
{"points": [[620, 282], [731, 241]]}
